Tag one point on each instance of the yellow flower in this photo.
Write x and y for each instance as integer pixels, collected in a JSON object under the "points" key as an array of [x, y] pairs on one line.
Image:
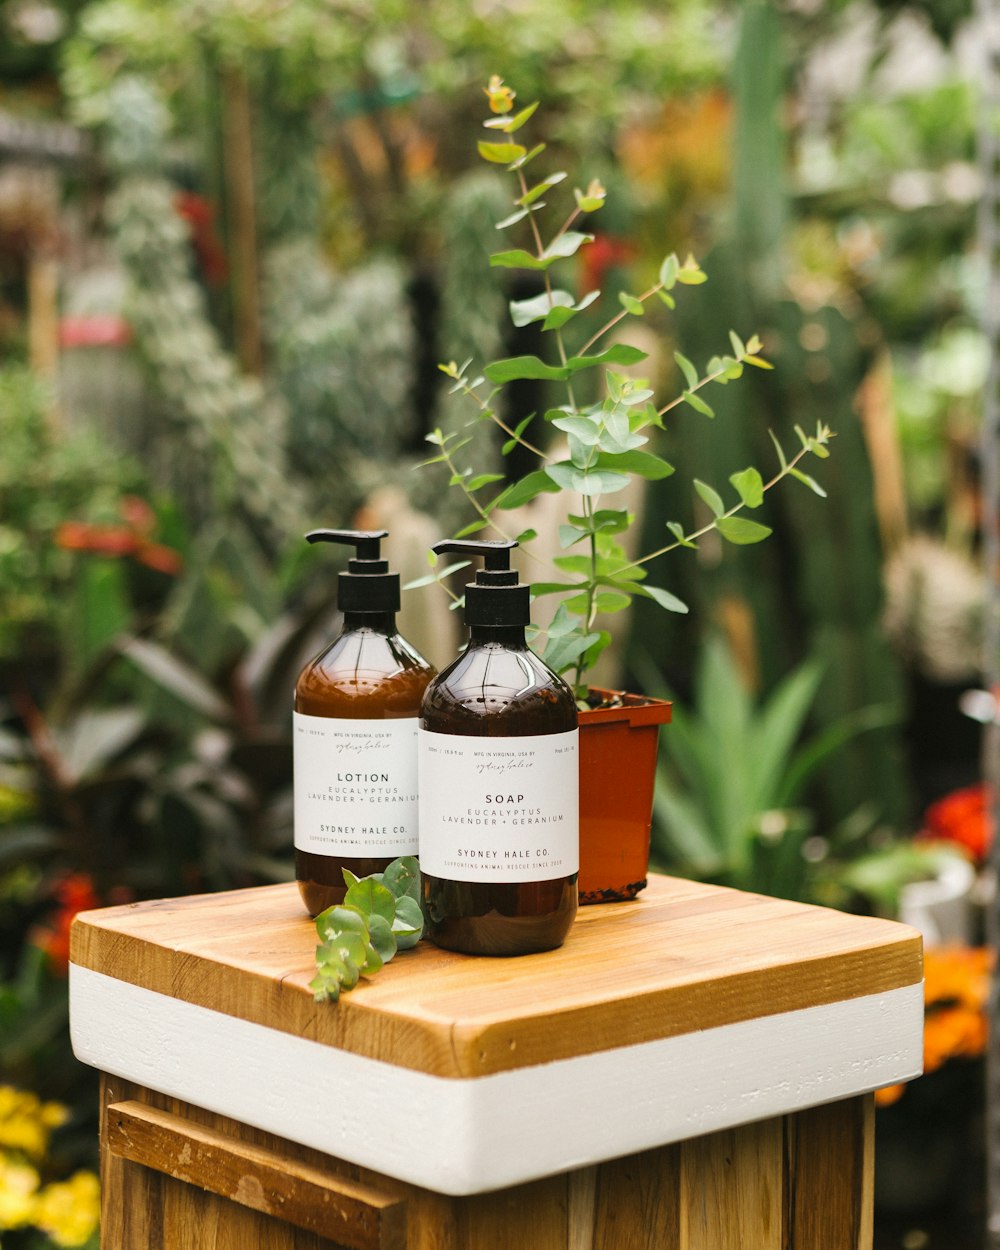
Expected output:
{"points": [[18, 1188], [69, 1211], [26, 1123]]}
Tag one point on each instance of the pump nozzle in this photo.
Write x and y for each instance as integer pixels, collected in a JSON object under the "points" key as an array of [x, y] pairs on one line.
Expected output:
{"points": [[367, 586], [495, 552], [496, 597], [367, 545]]}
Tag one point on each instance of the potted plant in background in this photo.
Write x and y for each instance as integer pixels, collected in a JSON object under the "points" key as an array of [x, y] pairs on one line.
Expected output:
{"points": [[602, 419]]}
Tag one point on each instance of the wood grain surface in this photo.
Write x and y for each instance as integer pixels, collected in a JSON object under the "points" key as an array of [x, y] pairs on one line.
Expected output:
{"points": [[266, 1180], [682, 957], [798, 1182]]}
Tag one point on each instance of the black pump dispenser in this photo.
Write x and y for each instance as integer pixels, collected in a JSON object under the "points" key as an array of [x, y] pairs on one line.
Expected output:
{"points": [[367, 586], [496, 597]]}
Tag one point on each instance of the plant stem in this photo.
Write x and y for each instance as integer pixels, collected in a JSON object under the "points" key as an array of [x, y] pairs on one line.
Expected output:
{"points": [[706, 529], [599, 334]]}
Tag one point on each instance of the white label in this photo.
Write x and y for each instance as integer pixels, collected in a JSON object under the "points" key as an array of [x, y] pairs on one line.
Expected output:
{"points": [[499, 809], [355, 786]]}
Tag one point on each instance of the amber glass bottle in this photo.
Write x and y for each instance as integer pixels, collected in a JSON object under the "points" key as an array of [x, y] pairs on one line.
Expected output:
{"points": [[355, 734], [499, 826]]}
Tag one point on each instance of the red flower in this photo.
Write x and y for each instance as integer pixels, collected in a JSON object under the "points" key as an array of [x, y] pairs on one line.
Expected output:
{"points": [[199, 213], [73, 894], [606, 252], [130, 539], [963, 817]]}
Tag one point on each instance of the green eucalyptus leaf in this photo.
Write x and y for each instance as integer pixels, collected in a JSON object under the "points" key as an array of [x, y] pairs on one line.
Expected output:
{"points": [[501, 153], [677, 530], [609, 520], [739, 530], [350, 972], [588, 482], [539, 189], [561, 653], [482, 479], [631, 304], [617, 354], [350, 947], [558, 317], [371, 898], [749, 486], [691, 277], [518, 258], [585, 429], [567, 244], [341, 918], [806, 480], [510, 124], [529, 487], [519, 429], [687, 368], [325, 986], [669, 270], [409, 917], [525, 311], [663, 597], [710, 496], [402, 877], [612, 600], [538, 589], [642, 463], [472, 528], [383, 940], [513, 219], [698, 404], [373, 961], [516, 368], [528, 156], [739, 347], [569, 535], [526, 536], [573, 564]]}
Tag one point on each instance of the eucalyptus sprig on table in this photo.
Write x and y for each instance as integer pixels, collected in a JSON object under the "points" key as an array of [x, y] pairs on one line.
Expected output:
{"points": [[605, 439], [379, 916]]}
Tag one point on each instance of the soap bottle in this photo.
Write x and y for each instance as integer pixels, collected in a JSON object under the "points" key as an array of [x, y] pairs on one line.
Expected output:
{"points": [[355, 733], [499, 780]]}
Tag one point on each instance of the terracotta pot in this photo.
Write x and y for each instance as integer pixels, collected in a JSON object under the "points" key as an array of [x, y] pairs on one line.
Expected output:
{"points": [[617, 774]]}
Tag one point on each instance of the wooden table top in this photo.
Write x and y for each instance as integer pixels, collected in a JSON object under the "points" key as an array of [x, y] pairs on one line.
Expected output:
{"points": [[683, 957]]}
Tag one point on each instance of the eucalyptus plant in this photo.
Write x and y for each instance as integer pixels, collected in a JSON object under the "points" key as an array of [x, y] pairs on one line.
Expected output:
{"points": [[379, 916], [605, 442]]}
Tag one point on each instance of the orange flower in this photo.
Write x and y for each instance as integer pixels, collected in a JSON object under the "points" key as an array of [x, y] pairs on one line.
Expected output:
{"points": [[74, 894], [956, 986]]}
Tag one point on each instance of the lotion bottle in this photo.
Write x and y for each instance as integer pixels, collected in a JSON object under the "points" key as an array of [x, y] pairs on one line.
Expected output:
{"points": [[499, 780], [355, 733]]}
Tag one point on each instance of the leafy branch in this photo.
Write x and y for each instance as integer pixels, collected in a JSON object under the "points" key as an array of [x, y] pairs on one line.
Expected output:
{"points": [[604, 444], [379, 916]]}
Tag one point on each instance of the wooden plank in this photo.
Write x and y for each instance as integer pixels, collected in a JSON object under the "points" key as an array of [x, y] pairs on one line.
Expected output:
{"points": [[532, 1215], [697, 957], [731, 1191], [638, 1202], [830, 1169], [354, 1215]]}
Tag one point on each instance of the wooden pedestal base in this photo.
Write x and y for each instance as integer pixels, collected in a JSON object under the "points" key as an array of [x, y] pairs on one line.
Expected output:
{"points": [[174, 1175]]}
